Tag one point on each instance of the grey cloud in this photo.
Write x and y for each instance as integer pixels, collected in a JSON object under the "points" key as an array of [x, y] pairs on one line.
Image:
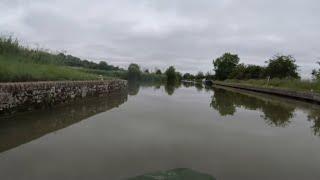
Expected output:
{"points": [[184, 33]]}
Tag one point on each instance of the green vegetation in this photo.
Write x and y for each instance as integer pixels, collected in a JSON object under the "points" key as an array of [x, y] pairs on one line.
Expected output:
{"points": [[158, 72], [200, 76], [243, 71], [18, 63], [293, 84], [225, 65], [280, 66], [134, 72], [13, 69], [171, 74], [316, 73], [188, 76], [280, 72], [10, 46]]}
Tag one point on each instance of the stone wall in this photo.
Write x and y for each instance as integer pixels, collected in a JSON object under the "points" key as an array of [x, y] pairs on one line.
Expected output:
{"points": [[29, 95]]}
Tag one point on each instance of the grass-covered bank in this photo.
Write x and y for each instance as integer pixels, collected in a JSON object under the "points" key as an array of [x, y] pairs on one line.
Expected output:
{"points": [[20, 64], [289, 84], [14, 69]]}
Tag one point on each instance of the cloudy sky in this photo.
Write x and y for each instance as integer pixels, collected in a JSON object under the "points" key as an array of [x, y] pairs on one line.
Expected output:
{"points": [[157, 33]]}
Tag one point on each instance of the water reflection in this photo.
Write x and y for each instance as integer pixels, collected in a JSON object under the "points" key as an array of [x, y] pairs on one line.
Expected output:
{"points": [[170, 87], [276, 111], [314, 116], [199, 86], [188, 84], [154, 131], [133, 88], [21, 128]]}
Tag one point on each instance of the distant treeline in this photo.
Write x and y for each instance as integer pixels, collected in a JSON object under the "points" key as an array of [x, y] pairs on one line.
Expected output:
{"points": [[228, 66], [170, 75], [280, 66]]}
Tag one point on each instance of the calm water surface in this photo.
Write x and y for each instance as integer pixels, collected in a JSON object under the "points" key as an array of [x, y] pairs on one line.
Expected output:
{"points": [[226, 133]]}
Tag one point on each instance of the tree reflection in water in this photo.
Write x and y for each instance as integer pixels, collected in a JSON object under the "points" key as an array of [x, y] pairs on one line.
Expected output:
{"points": [[199, 86], [170, 87], [133, 87], [223, 102], [314, 116], [275, 113], [188, 84]]}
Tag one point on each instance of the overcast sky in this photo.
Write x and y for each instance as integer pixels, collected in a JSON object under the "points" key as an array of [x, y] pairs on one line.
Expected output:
{"points": [[157, 33]]}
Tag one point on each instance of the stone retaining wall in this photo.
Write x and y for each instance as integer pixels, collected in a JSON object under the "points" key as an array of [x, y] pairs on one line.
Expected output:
{"points": [[28, 95], [308, 96]]}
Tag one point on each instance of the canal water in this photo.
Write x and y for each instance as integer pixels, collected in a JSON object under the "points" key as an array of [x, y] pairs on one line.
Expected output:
{"points": [[229, 134]]}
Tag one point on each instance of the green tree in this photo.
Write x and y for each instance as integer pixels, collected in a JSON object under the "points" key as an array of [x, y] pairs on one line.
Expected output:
{"points": [[171, 74], [281, 66], [188, 76], [158, 72], [254, 72], [134, 72], [224, 65], [178, 76], [103, 65], [243, 71], [209, 76], [200, 75], [316, 73]]}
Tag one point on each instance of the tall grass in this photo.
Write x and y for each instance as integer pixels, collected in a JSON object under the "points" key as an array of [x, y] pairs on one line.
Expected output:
{"points": [[294, 84], [12, 69], [18, 63]]}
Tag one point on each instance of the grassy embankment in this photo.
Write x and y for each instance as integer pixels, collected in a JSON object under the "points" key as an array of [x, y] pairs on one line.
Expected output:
{"points": [[291, 84], [22, 64], [18, 63], [13, 69]]}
